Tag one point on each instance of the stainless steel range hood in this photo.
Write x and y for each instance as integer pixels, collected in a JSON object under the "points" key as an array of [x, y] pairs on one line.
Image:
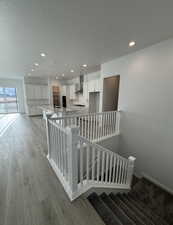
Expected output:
{"points": [[79, 86]]}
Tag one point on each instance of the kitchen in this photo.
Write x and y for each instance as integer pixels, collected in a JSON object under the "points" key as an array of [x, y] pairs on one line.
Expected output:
{"points": [[83, 91], [78, 95]]}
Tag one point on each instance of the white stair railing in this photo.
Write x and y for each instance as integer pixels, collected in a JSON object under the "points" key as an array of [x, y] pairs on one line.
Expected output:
{"points": [[93, 126], [58, 153], [99, 167], [80, 164]]}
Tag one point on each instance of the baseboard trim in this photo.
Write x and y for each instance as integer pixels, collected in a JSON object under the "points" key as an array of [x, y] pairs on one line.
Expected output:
{"points": [[139, 176], [153, 180]]}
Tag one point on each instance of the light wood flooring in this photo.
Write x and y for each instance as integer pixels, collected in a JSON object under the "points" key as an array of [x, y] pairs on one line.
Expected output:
{"points": [[30, 193]]}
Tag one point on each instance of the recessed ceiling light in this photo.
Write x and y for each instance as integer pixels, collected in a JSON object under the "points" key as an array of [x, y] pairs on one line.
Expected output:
{"points": [[36, 64], [72, 71], [32, 70], [84, 65], [63, 75], [132, 43], [43, 54]]}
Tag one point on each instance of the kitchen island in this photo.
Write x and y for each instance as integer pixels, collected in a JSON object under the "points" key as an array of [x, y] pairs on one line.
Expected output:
{"points": [[61, 112]]}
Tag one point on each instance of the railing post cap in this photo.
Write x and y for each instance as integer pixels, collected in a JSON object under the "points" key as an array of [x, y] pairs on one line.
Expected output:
{"points": [[131, 158], [48, 115]]}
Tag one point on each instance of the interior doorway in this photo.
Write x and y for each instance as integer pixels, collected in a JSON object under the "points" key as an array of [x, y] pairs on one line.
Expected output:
{"points": [[8, 100], [111, 93]]}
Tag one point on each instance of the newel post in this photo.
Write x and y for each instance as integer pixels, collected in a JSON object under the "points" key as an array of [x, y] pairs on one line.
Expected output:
{"points": [[47, 117], [72, 141], [131, 163], [118, 114]]}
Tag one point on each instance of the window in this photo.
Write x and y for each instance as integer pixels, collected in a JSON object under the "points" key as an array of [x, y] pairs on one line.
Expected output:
{"points": [[8, 100]]}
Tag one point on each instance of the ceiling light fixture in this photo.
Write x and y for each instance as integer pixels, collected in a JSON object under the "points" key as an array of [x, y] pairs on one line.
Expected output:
{"points": [[132, 43], [36, 64], [72, 71], [32, 70], [63, 75], [84, 65], [43, 54]]}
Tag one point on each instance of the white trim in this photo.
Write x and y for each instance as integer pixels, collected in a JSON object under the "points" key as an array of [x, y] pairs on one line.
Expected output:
{"points": [[74, 185], [153, 180], [94, 184], [84, 115], [105, 137], [61, 178], [86, 184]]}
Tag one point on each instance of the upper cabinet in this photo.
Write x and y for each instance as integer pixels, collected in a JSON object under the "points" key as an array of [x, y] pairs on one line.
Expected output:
{"points": [[37, 94], [63, 90], [36, 91], [94, 85]]}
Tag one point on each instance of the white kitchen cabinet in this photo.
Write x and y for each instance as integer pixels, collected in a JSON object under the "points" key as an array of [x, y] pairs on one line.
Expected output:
{"points": [[29, 91], [36, 91], [90, 86], [43, 92], [94, 85], [36, 95], [63, 90]]}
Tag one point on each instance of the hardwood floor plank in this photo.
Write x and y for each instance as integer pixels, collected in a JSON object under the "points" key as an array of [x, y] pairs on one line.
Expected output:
{"points": [[30, 192]]}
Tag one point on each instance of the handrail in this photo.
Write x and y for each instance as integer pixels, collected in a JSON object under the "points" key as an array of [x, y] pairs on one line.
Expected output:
{"points": [[83, 115], [56, 124], [98, 146], [107, 167], [101, 149], [81, 164], [93, 126]]}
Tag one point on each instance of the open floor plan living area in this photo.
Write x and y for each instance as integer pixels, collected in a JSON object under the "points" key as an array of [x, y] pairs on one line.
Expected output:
{"points": [[86, 127]]}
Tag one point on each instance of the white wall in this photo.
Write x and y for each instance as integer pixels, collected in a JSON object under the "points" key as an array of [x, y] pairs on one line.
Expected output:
{"points": [[111, 143], [18, 84], [146, 99]]}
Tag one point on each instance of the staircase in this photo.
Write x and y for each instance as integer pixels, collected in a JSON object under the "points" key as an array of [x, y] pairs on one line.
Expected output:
{"points": [[78, 161], [81, 164], [129, 209]]}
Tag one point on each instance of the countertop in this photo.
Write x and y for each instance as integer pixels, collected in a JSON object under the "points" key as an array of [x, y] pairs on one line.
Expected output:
{"points": [[64, 111]]}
